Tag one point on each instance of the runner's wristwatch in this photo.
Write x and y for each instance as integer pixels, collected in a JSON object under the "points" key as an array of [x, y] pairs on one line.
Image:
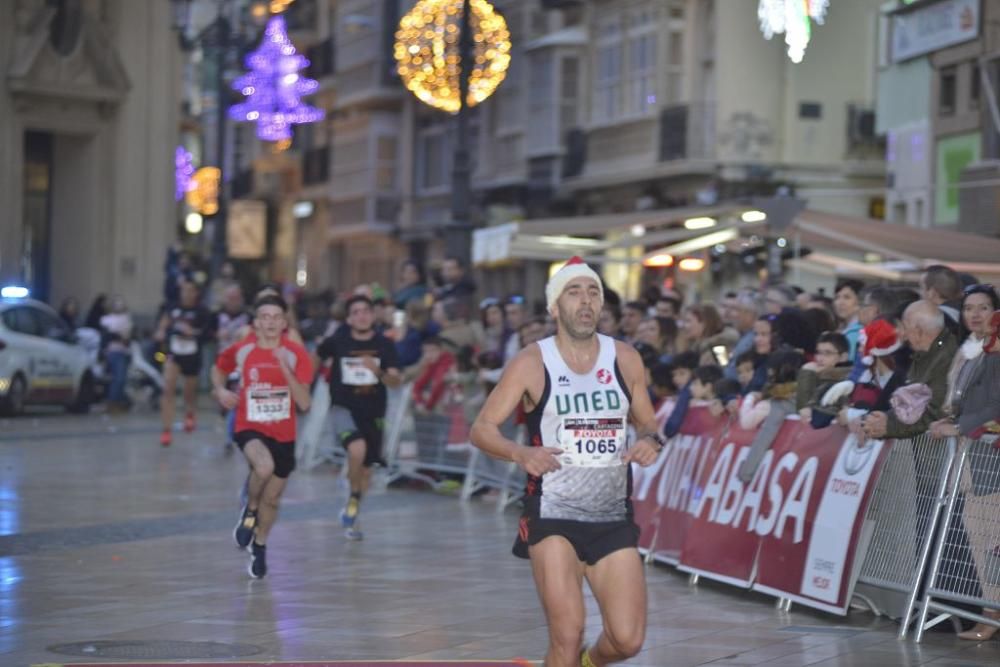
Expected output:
{"points": [[655, 437]]}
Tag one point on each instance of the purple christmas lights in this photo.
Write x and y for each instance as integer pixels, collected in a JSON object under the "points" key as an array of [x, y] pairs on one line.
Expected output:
{"points": [[273, 87], [183, 171]]}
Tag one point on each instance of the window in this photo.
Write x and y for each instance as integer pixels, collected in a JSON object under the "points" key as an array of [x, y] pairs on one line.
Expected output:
{"points": [[642, 69], [608, 73], [673, 92], [22, 320], [433, 158], [50, 325], [810, 110], [947, 91]]}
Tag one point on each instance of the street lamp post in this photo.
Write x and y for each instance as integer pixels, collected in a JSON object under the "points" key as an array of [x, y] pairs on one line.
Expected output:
{"points": [[452, 54], [459, 229]]}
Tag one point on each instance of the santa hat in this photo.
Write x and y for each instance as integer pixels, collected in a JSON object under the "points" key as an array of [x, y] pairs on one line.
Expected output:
{"points": [[574, 268], [881, 340], [878, 339]]}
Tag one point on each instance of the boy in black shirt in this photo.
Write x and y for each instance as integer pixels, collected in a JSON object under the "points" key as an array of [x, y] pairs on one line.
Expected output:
{"points": [[364, 364]]}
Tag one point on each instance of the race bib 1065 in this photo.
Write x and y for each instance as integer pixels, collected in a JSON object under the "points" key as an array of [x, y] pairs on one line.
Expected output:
{"points": [[593, 442]]}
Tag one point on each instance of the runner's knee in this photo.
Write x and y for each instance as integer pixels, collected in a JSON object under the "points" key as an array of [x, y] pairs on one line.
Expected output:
{"points": [[627, 640], [566, 636]]}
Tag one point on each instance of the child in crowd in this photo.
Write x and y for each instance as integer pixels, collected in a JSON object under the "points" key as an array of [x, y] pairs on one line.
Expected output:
{"points": [[684, 365], [769, 414], [661, 385], [704, 382], [831, 365], [746, 365]]}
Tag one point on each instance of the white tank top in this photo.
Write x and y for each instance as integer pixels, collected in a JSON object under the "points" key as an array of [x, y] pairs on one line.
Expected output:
{"points": [[587, 416]]}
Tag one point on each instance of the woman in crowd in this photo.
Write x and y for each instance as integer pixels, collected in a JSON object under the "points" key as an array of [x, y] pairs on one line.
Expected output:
{"points": [[847, 305], [660, 333], [116, 331], [495, 331], [972, 400], [706, 335], [98, 309], [69, 311], [412, 284]]}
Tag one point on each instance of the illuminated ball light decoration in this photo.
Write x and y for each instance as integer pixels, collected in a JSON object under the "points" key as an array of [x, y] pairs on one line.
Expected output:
{"points": [[427, 52], [274, 88], [793, 18], [203, 193]]}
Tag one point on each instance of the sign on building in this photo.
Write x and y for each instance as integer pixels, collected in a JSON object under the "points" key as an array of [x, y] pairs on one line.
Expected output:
{"points": [[933, 27], [246, 229]]}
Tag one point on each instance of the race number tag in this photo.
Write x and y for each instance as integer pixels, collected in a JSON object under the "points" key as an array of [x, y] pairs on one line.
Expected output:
{"points": [[592, 442], [355, 373], [183, 347], [268, 405]]}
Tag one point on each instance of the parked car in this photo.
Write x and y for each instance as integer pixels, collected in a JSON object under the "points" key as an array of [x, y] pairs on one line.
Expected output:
{"points": [[41, 360]]}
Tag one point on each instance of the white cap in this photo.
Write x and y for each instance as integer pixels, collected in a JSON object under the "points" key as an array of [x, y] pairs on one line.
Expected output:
{"points": [[574, 268]]}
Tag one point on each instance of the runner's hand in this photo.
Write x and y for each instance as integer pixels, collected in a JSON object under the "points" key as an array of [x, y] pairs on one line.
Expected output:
{"points": [[538, 460], [185, 329], [371, 364], [227, 399], [644, 453]]}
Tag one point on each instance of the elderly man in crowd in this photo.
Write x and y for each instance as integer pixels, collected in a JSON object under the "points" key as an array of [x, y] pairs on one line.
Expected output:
{"points": [[933, 350], [942, 286]]}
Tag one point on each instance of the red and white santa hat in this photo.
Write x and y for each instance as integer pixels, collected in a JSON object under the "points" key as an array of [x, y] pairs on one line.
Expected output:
{"points": [[574, 268], [881, 339]]}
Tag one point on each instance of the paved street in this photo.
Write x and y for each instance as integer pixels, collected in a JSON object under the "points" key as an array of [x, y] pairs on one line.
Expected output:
{"points": [[106, 536]]}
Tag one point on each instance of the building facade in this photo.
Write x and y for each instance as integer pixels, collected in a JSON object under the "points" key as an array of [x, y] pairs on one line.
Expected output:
{"points": [[609, 107], [938, 86], [87, 136]]}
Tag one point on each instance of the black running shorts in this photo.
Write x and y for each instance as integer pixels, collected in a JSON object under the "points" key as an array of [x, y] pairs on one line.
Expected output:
{"points": [[591, 541], [190, 364], [282, 453], [349, 426]]}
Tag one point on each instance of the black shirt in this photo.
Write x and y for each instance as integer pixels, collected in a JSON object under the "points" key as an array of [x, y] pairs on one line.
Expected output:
{"points": [[199, 319], [360, 391]]}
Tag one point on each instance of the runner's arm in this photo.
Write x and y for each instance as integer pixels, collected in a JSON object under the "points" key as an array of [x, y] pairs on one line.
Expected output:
{"points": [[647, 446], [299, 379], [502, 401]]}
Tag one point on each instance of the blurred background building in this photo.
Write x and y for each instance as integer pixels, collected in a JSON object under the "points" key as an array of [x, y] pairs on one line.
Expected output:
{"points": [[633, 132], [88, 125]]}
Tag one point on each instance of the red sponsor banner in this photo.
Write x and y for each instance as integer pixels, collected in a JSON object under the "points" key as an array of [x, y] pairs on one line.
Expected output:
{"points": [[662, 493], [722, 541], [810, 556]]}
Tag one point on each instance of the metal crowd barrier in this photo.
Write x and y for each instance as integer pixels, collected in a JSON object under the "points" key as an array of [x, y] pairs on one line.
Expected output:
{"points": [[901, 520], [965, 569]]}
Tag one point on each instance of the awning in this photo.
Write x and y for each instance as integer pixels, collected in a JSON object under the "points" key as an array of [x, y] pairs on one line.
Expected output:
{"points": [[919, 246], [555, 239]]}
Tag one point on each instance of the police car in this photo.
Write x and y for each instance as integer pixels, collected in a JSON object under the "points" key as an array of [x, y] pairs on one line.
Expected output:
{"points": [[41, 361]]}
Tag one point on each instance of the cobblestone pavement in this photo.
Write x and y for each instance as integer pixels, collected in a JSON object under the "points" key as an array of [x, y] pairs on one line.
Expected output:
{"points": [[106, 536]]}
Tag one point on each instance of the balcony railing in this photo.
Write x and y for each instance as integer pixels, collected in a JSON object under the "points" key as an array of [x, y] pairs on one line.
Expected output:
{"points": [[316, 165]]}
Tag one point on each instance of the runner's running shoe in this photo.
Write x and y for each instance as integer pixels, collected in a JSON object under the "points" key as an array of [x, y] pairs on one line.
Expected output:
{"points": [[354, 533], [243, 532], [258, 561], [189, 423], [350, 513], [165, 438]]}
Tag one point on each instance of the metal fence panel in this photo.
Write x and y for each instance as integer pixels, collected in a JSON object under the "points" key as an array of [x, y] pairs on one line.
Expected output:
{"points": [[903, 515], [965, 568]]}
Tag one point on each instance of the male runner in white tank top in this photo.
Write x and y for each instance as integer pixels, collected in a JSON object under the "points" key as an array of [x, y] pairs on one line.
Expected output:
{"points": [[580, 389]]}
